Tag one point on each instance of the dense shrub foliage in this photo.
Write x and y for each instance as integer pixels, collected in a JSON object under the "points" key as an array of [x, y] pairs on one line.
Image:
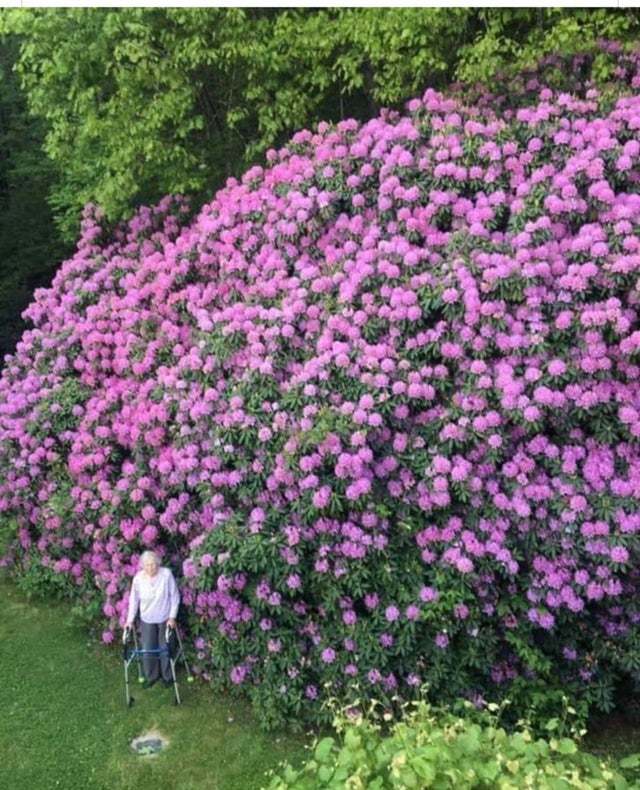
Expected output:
{"points": [[433, 748], [378, 404]]}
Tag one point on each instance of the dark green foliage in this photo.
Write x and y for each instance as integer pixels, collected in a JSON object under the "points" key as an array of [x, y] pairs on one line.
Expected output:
{"points": [[29, 245]]}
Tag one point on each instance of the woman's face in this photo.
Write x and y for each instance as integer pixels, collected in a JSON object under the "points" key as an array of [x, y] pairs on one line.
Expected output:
{"points": [[150, 567]]}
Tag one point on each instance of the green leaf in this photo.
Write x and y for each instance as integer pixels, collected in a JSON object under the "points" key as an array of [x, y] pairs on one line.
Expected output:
{"points": [[323, 750], [424, 769], [566, 746]]}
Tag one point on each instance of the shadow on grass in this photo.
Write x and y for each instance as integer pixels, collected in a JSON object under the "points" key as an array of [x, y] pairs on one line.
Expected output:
{"points": [[614, 736]]}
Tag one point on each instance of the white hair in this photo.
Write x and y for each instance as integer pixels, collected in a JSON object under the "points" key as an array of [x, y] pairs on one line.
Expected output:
{"points": [[149, 555]]}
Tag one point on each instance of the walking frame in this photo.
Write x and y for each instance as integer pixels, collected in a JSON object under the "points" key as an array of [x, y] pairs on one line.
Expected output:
{"points": [[169, 649]]}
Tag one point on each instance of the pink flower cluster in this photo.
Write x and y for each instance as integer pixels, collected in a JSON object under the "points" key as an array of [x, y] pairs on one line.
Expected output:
{"points": [[378, 403]]}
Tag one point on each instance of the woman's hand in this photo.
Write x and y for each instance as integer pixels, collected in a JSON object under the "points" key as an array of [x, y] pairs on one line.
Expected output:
{"points": [[171, 623]]}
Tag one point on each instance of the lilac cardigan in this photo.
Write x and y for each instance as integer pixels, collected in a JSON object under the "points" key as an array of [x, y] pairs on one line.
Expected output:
{"points": [[158, 598]]}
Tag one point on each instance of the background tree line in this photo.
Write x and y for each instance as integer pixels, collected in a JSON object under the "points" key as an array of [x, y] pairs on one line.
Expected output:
{"points": [[122, 106]]}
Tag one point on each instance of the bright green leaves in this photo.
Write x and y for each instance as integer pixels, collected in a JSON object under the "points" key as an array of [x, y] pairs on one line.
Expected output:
{"points": [[140, 102], [323, 750], [434, 748]]}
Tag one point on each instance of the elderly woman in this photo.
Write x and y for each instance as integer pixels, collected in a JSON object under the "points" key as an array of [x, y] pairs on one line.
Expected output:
{"points": [[154, 589]]}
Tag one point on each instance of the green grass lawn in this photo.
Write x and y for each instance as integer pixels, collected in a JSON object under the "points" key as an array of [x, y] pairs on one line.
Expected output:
{"points": [[64, 724]]}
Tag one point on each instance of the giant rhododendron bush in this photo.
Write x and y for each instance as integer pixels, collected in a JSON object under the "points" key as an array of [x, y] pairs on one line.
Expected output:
{"points": [[377, 405]]}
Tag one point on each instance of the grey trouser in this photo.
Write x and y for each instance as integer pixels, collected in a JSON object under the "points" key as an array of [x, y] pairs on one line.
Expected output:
{"points": [[152, 638]]}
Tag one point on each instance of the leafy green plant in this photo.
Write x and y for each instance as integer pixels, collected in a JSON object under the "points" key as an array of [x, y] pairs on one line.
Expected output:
{"points": [[432, 747]]}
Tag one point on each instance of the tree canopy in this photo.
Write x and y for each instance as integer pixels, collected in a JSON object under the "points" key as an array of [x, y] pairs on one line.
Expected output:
{"points": [[141, 102]]}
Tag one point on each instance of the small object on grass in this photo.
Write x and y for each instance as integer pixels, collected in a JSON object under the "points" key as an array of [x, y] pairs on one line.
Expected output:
{"points": [[149, 743], [190, 679]]}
